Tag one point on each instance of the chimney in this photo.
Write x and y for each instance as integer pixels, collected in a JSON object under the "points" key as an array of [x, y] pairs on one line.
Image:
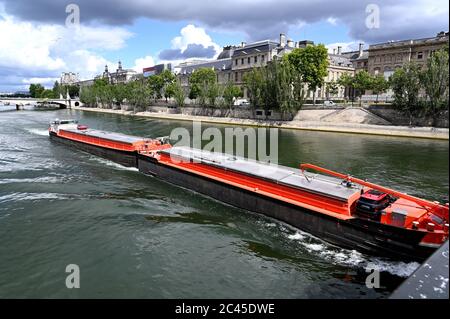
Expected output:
{"points": [[339, 50], [243, 44], [361, 45], [282, 40], [290, 43]]}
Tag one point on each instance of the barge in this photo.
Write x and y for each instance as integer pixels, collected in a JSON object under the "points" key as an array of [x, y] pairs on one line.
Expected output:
{"points": [[343, 210]]}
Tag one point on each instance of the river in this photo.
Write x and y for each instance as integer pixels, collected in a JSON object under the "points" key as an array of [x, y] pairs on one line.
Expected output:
{"points": [[134, 236]]}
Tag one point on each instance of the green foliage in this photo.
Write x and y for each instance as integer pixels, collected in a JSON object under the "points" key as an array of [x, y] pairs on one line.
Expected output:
{"points": [[379, 85], [178, 93], [167, 78], [362, 81], [435, 81], [405, 82], [254, 82], [276, 86], [332, 88], [346, 80], [156, 83], [139, 95], [36, 90], [56, 89], [203, 86], [311, 63], [230, 93]]}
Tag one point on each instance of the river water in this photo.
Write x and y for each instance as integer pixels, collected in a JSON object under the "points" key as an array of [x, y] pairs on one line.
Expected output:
{"points": [[134, 236]]}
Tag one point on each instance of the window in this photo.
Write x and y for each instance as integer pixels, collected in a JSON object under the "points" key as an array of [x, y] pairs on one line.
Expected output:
{"points": [[242, 61], [262, 58], [419, 55], [236, 76], [259, 112], [236, 62], [248, 60], [256, 59]]}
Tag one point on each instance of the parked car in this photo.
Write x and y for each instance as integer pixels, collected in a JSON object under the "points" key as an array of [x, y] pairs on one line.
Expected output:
{"points": [[241, 102], [329, 103]]}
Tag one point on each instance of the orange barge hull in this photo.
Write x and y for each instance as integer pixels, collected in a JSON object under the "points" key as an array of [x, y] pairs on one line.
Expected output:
{"points": [[318, 205]]}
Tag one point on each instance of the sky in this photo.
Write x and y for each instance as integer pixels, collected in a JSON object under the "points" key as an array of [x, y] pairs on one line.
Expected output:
{"points": [[40, 39]]}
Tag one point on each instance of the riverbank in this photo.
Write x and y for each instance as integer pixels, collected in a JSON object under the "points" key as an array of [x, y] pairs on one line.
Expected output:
{"points": [[386, 130]]}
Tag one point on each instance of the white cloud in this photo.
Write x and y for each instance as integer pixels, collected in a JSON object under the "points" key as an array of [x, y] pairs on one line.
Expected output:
{"points": [[144, 62], [345, 46], [38, 80], [40, 52], [191, 34], [332, 21]]}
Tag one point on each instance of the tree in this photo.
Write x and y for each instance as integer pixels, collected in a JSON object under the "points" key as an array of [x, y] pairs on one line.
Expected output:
{"points": [[167, 78], [435, 81], [213, 91], [156, 83], [56, 89], [120, 93], [178, 93], [253, 81], [347, 81], [379, 85], [332, 88], [405, 82], [36, 90], [311, 63], [230, 93], [361, 82], [139, 94], [87, 96], [200, 82]]}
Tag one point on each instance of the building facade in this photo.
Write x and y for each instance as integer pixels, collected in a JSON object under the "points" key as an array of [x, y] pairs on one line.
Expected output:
{"points": [[360, 58], [121, 75], [384, 58], [68, 78]]}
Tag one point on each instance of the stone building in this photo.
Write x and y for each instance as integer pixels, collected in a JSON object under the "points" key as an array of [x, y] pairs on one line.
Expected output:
{"points": [[68, 78], [360, 58], [258, 54], [235, 61], [221, 65], [120, 76], [338, 64], [384, 58]]}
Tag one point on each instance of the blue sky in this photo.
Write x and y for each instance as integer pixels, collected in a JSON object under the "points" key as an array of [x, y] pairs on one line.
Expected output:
{"points": [[37, 45]]}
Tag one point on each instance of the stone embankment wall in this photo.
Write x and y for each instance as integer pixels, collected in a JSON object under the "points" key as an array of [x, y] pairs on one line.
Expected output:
{"points": [[373, 114], [399, 118]]}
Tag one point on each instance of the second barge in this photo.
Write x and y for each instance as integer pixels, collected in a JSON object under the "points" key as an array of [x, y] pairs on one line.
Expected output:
{"points": [[343, 210]]}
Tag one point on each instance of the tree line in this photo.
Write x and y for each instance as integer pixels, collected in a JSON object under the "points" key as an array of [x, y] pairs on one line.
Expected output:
{"points": [[422, 90], [38, 91], [203, 88]]}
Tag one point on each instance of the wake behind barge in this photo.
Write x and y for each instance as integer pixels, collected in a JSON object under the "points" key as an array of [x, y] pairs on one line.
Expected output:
{"points": [[338, 208]]}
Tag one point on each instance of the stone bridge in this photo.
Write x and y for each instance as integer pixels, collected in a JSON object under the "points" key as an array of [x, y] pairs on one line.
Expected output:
{"points": [[20, 102]]}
